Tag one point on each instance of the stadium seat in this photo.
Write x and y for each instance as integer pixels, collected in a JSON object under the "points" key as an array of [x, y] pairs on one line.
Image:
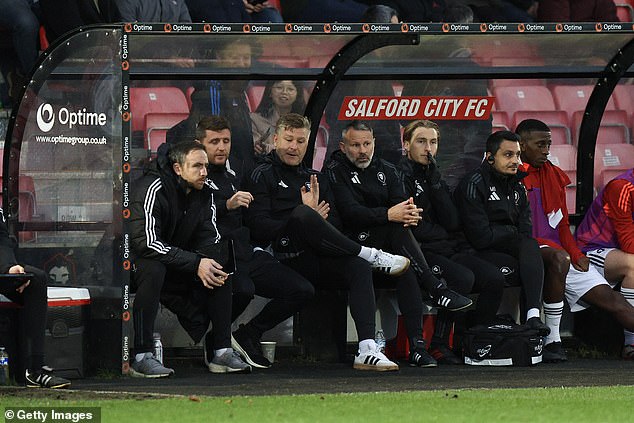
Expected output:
{"points": [[523, 98], [156, 126], [565, 156], [571, 198], [500, 121], [514, 62], [611, 160], [574, 98], [321, 145], [254, 96], [155, 100], [624, 98], [625, 12], [557, 120], [614, 128]]}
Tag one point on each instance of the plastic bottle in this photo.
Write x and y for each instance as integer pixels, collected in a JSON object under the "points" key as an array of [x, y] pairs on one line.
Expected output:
{"points": [[4, 367], [380, 341], [158, 346]]}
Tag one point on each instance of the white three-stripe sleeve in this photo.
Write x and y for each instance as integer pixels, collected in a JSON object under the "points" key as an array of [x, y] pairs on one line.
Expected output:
{"points": [[152, 240]]}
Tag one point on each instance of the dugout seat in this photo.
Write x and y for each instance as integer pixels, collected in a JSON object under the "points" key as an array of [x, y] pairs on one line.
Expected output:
{"points": [[611, 160]]}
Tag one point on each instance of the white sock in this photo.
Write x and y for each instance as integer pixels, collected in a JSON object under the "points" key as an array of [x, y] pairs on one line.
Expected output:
{"points": [[367, 345], [552, 318], [628, 293], [533, 312], [139, 356], [367, 253], [221, 351]]}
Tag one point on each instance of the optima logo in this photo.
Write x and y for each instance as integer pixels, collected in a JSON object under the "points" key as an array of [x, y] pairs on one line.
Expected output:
{"points": [[46, 117]]}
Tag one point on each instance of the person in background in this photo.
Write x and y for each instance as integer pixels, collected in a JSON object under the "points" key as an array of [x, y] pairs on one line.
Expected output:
{"points": [[606, 236], [278, 99], [32, 295]]}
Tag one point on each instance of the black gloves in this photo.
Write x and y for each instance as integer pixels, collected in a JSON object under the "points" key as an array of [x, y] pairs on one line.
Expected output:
{"points": [[432, 173]]}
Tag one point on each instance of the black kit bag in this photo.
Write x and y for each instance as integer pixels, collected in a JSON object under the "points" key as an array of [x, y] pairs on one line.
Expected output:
{"points": [[502, 343]]}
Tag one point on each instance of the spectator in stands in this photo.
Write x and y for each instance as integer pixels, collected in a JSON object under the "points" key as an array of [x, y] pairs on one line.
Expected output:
{"points": [[577, 11], [232, 11], [33, 297], [458, 13], [322, 10], [257, 272], [223, 98], [153, 11], [379, 13], [606, 236], [18, 18], [376, 212], [292, 212], [496, 218], [62, 16], [413, 10], [502, 10], [546, 188], [440, 239], [178, 260], [278, 99]]}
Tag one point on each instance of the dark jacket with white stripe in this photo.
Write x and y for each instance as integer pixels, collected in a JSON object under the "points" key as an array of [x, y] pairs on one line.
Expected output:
{"points": [[494, 208], [166, 224], [363, 196]]}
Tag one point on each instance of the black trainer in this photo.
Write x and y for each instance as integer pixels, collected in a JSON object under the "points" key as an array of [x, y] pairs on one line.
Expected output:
{"points": [[443, 354], [535, 323], [249, 348], [43, 378], [419, 357], [450, 300], [554, 353]]}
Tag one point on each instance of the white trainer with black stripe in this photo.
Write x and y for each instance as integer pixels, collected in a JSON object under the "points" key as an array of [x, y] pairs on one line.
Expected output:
{"points": [[373, 360], [390, 264]]}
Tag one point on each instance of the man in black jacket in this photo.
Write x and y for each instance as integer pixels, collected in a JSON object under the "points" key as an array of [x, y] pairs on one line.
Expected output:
{"points": [[31, 294], [173, 235], [448, 254], [257, 272], [376, 212], [292, 212], [496, 218]]}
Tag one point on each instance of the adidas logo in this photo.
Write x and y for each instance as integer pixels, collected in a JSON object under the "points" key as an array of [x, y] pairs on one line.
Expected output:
{"points": [[494, 197], [371, 360], [282, 184], [443, 301], [355, 178]]}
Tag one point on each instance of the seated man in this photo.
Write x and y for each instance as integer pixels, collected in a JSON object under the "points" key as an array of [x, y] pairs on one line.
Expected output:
{"points": [[496, 218], [376, 211], [606, 236], [440, 239], [292, 213], [546, 187], [172, 235], [32, 296], [258, 272]]}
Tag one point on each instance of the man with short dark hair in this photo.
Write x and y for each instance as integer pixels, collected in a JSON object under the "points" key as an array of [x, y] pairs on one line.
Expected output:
{"points": [[546, 187], [292, 212], [178, 260], [606, 236], [496, 218], [257, 271], [439, 234]]}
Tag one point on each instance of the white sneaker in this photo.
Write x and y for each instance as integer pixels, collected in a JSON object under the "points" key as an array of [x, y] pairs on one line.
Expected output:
{"points": [[390, 264], [373, 360]]}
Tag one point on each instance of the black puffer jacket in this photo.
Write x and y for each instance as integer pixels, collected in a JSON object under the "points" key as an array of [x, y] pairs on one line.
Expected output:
{"points": [[494, 208], [166, 224]]}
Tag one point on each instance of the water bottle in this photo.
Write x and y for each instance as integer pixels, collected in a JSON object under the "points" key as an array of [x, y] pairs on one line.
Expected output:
{"points": [[4, 367], [380, 341], [158, 346]]}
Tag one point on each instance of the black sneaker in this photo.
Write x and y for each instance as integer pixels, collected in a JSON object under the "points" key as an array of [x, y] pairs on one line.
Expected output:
{"points": [[419, 357], [450, 300], [444, 355], [43, 378], [535, 323], [554, 353], [249, 348]]}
